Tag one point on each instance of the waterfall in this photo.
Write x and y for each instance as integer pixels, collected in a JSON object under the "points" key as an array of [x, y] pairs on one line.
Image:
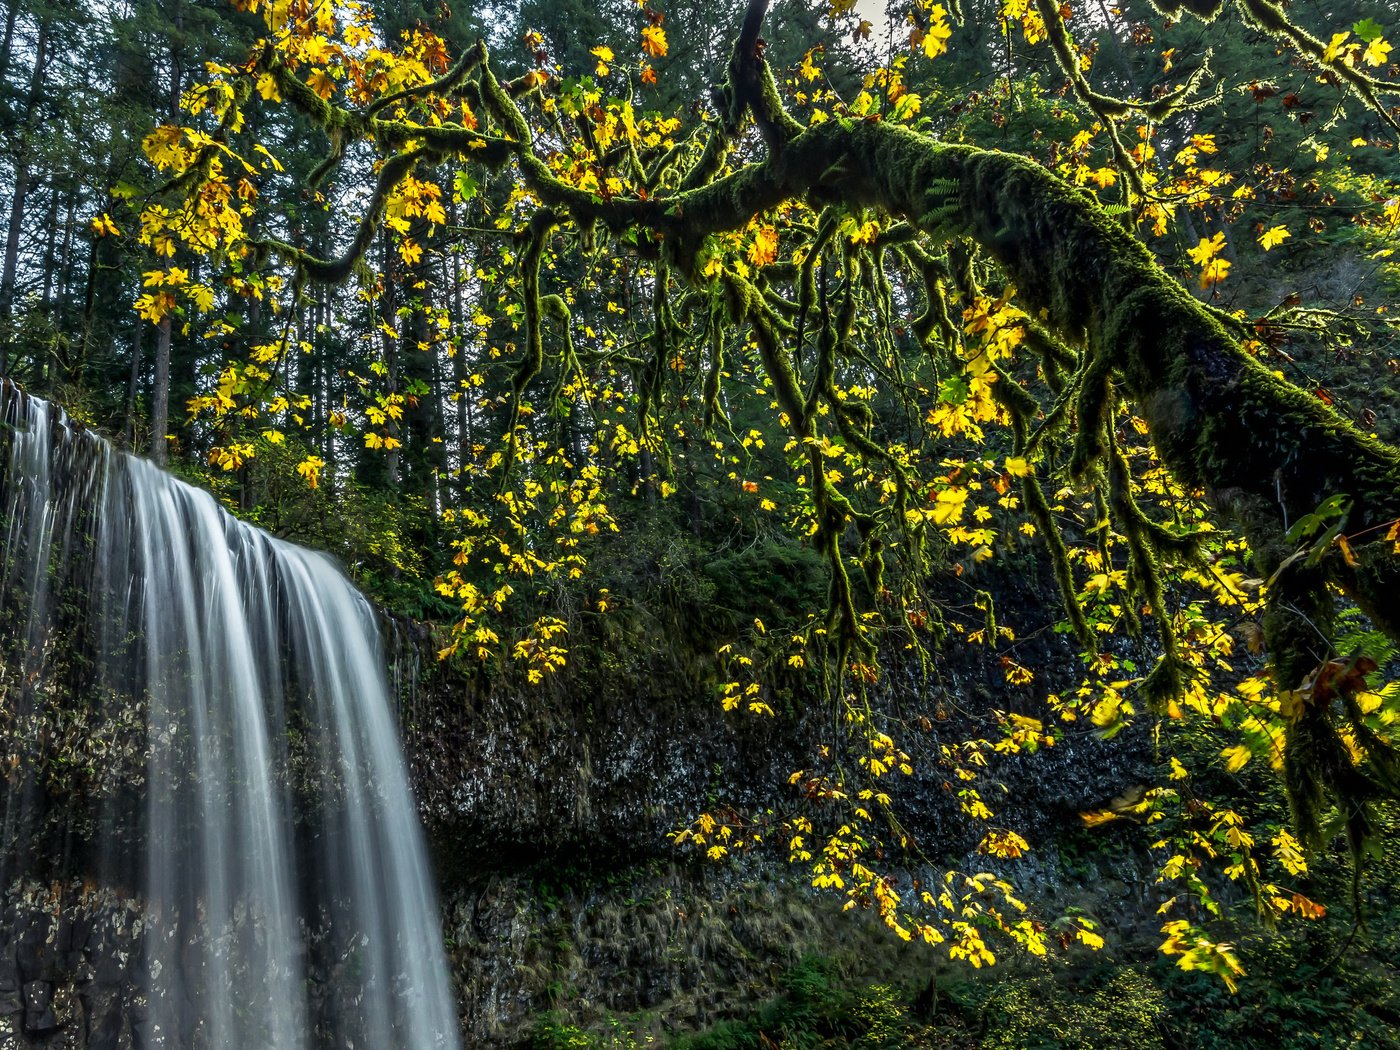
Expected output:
{"points": [[196, 720]]}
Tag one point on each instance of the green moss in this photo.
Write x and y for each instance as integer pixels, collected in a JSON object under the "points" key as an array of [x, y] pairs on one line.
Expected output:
{"points": [[768, 581]]}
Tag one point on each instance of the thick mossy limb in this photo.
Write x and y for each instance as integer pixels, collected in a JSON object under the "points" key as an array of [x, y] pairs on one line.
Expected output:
{"points": [[935, 320], [1056, 420], [1220, 421], [1270, 17], [324, 113], [542, 224], [502, 106], [1020, 404], [1039, 508], [716, 324], [807, 282], [446, 84], [1167, 680], [777, 125], [1094, 410], [1298, 623], [338, 270], [1207, 10], [1058, 359]]}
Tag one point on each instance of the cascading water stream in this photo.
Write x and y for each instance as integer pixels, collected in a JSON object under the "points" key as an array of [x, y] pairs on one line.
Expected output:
{"points": [[196, 714]]}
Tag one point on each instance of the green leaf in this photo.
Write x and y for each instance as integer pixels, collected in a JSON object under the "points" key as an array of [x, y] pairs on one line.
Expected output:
{"points": [[465, 186], [1334, 506], [953, 390], [1368, 29]]}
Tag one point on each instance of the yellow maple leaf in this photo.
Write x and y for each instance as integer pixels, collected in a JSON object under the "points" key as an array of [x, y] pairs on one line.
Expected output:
{"points": [[654, 41], [323, 85], [1334, 49], [1377, 52], [764, 248], [162, 147], [1272, 238], [1103, 177], [154, 308], [202, 296], [1005, 844], [948, 506], [1207, 249], [103, 226], [935, 38], [310, 469], [1215, 271], [1235, 758]]}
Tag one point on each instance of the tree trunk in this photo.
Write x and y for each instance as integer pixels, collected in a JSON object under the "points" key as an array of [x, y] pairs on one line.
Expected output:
{"points": [[133, 389], [160, 396], [160, 393], [50, 362], [7, 44], [9, 273]]}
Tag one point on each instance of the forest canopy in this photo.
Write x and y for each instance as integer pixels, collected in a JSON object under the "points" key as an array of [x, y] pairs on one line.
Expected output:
{"points": [[907, 294]]}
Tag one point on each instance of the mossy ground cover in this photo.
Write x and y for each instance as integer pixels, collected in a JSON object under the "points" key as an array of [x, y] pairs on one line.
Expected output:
{"points": [[1300, 994]]}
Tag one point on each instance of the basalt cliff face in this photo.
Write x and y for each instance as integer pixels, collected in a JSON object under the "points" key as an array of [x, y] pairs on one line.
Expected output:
{"points": [[549, 808]]}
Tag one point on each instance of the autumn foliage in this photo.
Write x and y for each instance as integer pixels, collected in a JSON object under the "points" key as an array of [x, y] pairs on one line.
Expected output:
{"points": [[912, 353]]}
